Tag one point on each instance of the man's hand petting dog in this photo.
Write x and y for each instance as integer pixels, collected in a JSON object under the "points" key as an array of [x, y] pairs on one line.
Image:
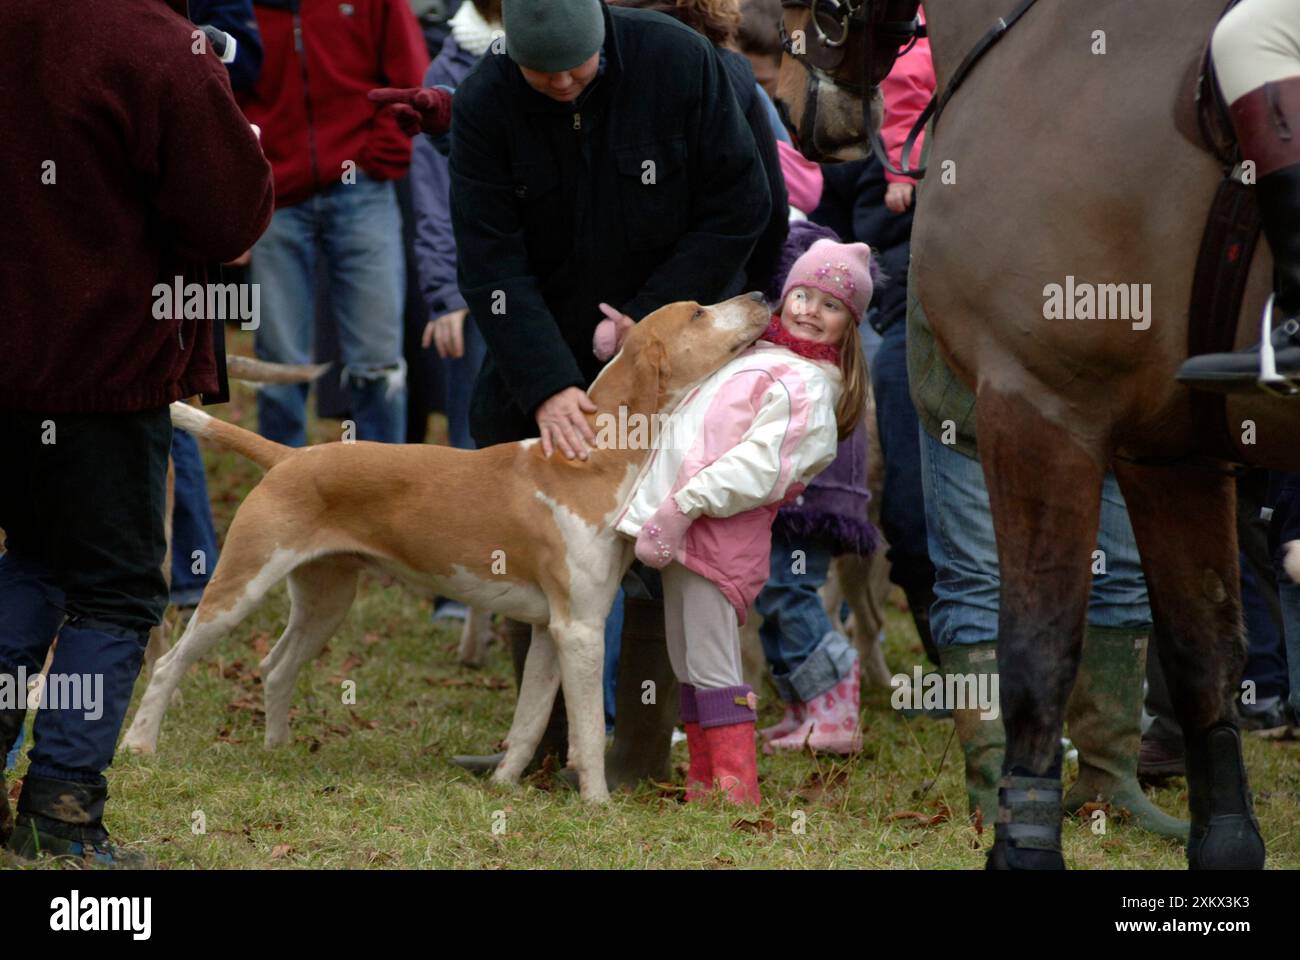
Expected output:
{"points": [[562, 423]]}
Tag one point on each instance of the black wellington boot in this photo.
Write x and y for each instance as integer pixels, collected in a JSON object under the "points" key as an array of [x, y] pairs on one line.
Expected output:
{"points": [[1267, 121], [1027, 835], [555, 740], [1225, 834]]}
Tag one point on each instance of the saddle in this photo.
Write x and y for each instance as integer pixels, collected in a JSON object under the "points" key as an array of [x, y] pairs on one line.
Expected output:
{"points": [[1233, 227]]}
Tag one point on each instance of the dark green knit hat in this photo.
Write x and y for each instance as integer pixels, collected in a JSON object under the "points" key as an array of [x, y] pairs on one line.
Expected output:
{"points": [[552, 36]]}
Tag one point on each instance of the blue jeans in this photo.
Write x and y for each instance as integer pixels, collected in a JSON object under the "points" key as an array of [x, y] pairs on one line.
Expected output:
{"points": [[902, 504], [962, 543], [460, 374], [359, 230], [806, 655], [194, 537]]}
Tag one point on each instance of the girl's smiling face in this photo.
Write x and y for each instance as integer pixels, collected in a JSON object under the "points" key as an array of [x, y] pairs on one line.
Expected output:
{"points": [[812, 315]]}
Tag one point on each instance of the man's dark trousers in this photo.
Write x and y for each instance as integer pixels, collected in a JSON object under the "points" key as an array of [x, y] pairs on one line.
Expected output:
{"points": [[81, 505]]}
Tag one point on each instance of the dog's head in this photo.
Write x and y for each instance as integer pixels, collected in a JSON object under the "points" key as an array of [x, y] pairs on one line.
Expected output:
{"points": [[680, 344]]}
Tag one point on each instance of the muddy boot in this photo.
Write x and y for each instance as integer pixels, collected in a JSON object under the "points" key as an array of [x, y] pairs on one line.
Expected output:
{"points": [[1104, 720], [11, 722], [62, 818], [643, 732], [1028, 832], [983, 741], [556, 737], [1224, 833]]}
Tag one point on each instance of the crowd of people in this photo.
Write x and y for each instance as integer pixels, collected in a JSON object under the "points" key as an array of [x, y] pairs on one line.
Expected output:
{"points": [[448, 201]]}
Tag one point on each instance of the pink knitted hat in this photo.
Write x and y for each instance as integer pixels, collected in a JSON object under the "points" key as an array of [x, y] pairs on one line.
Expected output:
{"points": [[842, 270]]}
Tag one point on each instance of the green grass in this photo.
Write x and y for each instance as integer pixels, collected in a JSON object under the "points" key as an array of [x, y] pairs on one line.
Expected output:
{"points": [[370, 784]]}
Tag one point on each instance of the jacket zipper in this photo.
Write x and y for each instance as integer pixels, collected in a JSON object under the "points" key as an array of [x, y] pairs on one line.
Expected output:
{"points": [[306, 95]]}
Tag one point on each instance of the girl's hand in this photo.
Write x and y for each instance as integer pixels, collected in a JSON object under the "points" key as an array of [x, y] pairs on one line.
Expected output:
{"points": [[898, 197], [663, 537]]}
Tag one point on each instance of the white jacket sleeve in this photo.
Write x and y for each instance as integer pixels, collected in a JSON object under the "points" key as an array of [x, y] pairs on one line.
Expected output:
{"points": [[751, 473]]}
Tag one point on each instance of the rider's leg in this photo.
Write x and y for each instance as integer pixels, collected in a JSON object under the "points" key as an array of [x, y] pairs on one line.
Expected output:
{"points": [[1257, 56]]}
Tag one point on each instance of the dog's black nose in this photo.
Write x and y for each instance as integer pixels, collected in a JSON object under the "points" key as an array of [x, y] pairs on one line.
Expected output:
{"points": [[756, 296]]}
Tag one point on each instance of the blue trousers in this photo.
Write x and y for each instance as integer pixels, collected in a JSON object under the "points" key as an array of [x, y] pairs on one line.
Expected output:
{"points": [[194, 537], [806, 655], [962, 544], [358, 228]]}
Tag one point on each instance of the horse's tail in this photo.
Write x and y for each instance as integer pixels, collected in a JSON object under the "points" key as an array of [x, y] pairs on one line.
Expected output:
{"points": [[265, 453]]}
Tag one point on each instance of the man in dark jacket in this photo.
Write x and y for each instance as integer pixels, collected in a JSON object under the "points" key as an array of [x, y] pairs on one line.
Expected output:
{"points": [[147, 135], [602, 159], [628, 178]]}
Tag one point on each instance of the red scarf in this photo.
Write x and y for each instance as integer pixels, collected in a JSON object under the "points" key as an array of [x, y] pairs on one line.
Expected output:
{"points": [[776, 333]]}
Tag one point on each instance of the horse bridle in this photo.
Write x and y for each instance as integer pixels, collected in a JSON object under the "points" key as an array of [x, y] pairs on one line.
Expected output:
{"points": [[869, 15]]}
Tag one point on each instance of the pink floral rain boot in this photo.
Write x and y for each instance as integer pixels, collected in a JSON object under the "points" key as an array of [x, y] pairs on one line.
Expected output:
{"points": [[794, 715], [831, 723]]}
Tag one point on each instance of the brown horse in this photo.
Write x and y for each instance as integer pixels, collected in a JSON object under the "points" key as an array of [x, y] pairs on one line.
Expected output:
{"points": [[1064, 161]]}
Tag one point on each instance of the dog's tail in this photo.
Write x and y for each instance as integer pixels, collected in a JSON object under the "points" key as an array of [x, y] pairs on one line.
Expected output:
{"points": [[252, 370], [265, 453]]}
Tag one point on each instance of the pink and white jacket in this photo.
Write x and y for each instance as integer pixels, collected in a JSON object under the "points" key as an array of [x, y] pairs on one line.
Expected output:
{"points": [[740, 444]]}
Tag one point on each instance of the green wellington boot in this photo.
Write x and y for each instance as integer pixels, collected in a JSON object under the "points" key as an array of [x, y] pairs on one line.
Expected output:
{"points": [[1104, 721], [643, 732], [983, 741]]}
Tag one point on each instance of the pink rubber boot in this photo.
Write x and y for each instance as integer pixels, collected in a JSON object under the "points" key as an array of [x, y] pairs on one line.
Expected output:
{"points": [[728, 718], [699, 778], [794, 713], [831, 724]]}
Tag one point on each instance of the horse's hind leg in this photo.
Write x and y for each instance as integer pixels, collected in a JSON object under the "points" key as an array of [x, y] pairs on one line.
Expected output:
{"points": [[1045, 493], [320, 595], [1185, 522]]}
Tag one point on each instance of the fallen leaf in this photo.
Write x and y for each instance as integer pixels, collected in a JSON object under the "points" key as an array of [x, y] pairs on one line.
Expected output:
{"points": [[817, 786], [920, 819], [280, 851], [762, 825]]}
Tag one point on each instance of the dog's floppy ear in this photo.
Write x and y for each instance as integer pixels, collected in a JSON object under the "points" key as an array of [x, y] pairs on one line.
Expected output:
{"points": [[610, 333], [652, 370]]}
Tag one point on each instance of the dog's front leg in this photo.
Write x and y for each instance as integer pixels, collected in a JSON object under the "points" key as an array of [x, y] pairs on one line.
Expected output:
{"points": [[537, 689], [581, 648]]}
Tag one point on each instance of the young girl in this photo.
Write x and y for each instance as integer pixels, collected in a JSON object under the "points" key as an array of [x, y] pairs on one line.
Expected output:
{"points": [[747, 439]]}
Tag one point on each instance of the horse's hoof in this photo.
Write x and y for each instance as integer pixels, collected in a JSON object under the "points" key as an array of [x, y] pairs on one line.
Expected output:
{"points": [[1229, 843], [1004, 856]]}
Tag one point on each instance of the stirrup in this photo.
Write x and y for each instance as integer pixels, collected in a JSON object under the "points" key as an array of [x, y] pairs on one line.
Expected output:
{"points": [[1270, 381]]}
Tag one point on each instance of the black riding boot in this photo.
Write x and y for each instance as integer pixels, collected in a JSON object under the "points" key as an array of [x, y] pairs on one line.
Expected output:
{"points": [[1027, 835], [555, 740], [1224, 834], [1267, 121], [919, 601]]}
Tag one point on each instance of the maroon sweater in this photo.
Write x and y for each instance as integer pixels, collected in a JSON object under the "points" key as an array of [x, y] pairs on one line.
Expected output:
{"points": [[154, 170]]}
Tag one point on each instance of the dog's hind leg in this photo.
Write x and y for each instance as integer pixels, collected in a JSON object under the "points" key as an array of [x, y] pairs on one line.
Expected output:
{"points": [[241, 580], [537, 689], [320, 595], [581, 649]]}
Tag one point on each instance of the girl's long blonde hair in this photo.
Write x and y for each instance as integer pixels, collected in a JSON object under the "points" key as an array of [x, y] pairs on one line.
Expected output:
{"points": [[853, 368]]}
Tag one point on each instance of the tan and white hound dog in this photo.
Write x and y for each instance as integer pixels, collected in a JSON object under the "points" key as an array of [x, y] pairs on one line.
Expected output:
{"points": [[504, 528]]}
